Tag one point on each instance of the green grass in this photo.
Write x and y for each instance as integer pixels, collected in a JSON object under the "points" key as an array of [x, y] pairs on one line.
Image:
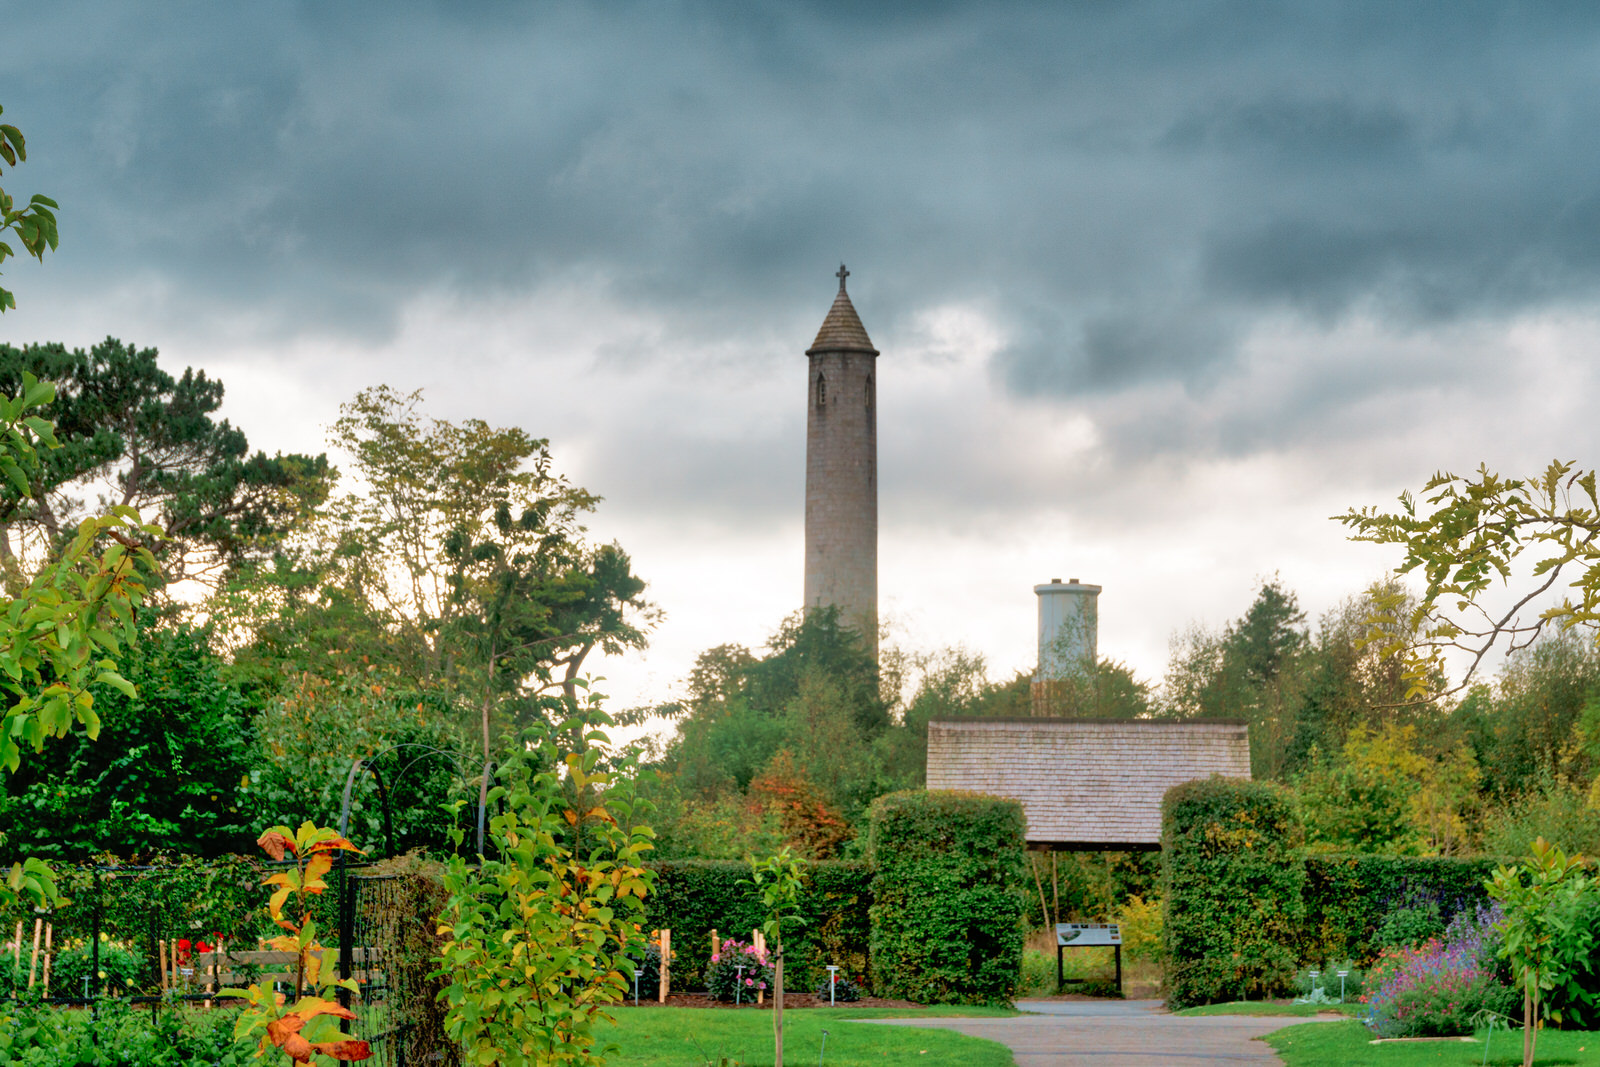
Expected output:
{"points": [[692, 1037], [1340, 1044], [1259, 1007]]}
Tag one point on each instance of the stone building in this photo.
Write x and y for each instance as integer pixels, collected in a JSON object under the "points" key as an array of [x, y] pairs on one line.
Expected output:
{"points": [[842, 470]]}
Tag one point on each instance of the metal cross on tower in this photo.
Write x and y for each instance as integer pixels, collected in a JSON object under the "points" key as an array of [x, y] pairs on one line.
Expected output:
{"points": [[842, 275]]}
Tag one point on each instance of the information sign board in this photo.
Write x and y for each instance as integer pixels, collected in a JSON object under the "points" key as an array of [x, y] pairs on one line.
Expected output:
{"points": [[1087, 935]]}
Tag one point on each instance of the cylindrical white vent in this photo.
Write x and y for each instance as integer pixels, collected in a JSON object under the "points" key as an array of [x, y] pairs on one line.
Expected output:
{"points": [[1069, 617]]}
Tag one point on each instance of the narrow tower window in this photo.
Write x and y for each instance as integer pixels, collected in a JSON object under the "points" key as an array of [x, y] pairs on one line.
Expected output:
{"points": [[822, 391], [869, 394]]}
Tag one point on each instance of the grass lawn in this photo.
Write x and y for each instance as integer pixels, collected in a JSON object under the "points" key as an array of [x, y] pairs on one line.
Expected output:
{"points": [[1340, 1044], [693, 1037], [1258, 1007]]}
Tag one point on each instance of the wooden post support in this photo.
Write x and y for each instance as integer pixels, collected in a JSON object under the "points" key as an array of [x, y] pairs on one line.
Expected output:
{"points": [[666, 964], [716, 945], [759, 940], [49, 940], [161, 951], [33, 960]]}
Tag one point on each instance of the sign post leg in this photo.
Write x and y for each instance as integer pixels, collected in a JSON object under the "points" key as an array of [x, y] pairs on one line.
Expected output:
{"points": [[1119, 969]]}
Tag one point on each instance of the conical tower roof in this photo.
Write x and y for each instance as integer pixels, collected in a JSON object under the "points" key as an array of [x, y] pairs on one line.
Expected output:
{"points": [[842, 330]]}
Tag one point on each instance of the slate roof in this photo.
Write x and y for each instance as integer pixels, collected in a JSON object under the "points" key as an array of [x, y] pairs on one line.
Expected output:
{"points": [[1085, 783], [842, 330]]}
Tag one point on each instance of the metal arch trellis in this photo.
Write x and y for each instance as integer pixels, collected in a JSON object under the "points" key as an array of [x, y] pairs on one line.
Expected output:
{"points": [[370, 764], [352, 888]]}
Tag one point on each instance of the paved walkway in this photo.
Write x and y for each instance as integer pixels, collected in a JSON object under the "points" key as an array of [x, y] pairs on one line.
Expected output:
{"points": [[1127, 1033]]}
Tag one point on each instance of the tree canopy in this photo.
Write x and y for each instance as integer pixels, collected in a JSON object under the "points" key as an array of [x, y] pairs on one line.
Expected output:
{"points": [[132, 435]]}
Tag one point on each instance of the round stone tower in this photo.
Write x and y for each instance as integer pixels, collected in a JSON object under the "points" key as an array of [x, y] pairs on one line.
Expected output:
{"points": [[842, 470]]}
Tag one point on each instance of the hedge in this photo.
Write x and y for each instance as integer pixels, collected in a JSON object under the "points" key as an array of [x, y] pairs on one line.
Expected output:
{"points": [[694, 897], [947, 912], [1233, 880], [1347, 897]]}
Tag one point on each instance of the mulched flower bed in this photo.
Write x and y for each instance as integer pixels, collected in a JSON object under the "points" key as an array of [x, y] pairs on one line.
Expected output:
{"points": [[790, 1000]]}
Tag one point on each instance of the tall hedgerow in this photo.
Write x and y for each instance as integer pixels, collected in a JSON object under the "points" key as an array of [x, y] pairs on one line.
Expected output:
{"points": [[947, 912], [1233, 879]]}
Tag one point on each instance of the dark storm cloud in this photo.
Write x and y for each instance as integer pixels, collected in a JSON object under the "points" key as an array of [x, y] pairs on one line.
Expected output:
{"points": [[1128, 187]]}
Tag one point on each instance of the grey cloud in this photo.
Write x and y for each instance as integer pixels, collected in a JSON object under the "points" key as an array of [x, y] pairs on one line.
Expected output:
{"points": [[1127, 187]]}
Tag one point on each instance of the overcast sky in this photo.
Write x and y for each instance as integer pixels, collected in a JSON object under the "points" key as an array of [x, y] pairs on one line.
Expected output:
{"points": [[1158, 287]]}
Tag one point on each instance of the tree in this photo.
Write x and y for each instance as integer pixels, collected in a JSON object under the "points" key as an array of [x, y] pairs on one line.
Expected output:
{"points": [[164, 775], [457, 563], [537, 934], [1469, 539], [777, 881], [137, 437], [34, 225], [58, 634], [1542, 935], [1252, 670]]}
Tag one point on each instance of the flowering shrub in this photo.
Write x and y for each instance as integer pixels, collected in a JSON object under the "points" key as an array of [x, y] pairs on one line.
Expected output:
{"points": [[725, 981], [1436, 989]]}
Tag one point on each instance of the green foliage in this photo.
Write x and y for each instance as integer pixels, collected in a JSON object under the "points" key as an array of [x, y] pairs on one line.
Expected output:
{"points": [[947, 912], [693, 897], [165, 774], [123, 969], [1233, 879], [1348, 898], [35, 224], [313, 730], [1544, 930], [123, 421], [777, 882], [539, 933], [306, 1028], [57, 634], [1551, 808], [1470, 539], [1365, 800], [175, 897], [1253, 670], [119, 1035], [1411, 926], [458, 568]]}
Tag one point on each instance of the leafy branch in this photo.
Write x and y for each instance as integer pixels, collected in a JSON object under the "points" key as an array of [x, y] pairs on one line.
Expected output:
{"points": [[1467, 538], [35, 224]]}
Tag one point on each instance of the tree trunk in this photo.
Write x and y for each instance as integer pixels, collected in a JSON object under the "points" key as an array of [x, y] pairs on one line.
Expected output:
{"points": [[1527, 1027], [777, 1005]]}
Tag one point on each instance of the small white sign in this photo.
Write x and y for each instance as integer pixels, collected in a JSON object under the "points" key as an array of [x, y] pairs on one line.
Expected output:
{"points": [[1087, 935]]}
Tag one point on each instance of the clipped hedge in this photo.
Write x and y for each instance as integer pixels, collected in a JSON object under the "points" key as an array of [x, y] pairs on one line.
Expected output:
{"points": [[1347, 897], [694, 897], [1233, 880], [947, 912]]}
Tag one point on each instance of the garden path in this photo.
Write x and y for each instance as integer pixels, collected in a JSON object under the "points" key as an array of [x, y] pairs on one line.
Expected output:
{"points": [[1126, 1033]]}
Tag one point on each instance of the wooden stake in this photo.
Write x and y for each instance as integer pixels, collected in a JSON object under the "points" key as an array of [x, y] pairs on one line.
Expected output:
{"points": [[161, 951], [1055, 886], [759, 940], [716, 945], [1044, 909], [33, 960], [666, 964], [49, 937]]}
